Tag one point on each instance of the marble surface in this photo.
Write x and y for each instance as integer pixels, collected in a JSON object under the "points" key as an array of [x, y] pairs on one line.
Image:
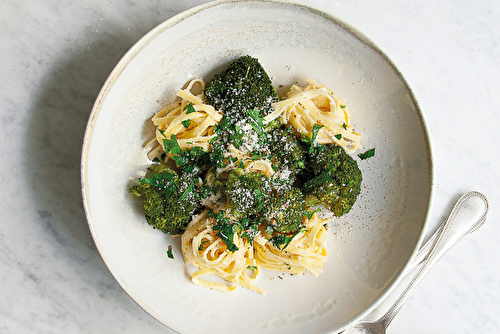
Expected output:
{"points": [[55, 58]]}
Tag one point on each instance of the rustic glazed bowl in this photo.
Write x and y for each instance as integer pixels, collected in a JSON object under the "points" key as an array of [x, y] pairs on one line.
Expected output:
{"points": [[369, 248]]}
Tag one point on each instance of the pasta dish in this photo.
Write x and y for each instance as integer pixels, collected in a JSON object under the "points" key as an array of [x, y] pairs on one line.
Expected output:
{"points": [[245, 178]]}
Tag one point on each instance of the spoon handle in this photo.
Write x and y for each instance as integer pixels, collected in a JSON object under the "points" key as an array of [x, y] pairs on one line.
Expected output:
{"points": [[468, 215]]}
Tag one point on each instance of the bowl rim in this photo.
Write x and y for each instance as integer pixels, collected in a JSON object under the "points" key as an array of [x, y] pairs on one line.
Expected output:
{"points": [[179, 17]]}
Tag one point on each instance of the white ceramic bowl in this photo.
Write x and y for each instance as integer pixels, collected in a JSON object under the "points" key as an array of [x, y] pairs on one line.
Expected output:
{"points": [[369, 248]]}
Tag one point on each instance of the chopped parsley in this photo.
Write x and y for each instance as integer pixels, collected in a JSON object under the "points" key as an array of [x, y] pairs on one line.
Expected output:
{"points": [[314, 134], [202, 245], [256, 121], [368, 154], [188, 191], [310, 214], [225, 228], [281, 241], [172, 146], [226, 231], [160, 180], [189, 108], [237, 137], [169, 252]]}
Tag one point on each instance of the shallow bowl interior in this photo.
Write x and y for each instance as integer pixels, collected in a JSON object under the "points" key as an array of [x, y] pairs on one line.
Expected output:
{"points": [[368, 248]]}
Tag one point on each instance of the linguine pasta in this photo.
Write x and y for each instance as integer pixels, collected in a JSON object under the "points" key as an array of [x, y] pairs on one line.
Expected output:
{"points": [[316, 104], [203, 249], [200, 117]]}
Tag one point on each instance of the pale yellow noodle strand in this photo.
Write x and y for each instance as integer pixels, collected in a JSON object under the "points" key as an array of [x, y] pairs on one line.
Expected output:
{"points": [[316, 104], [203, 249], [306, 251], [193, 129]]}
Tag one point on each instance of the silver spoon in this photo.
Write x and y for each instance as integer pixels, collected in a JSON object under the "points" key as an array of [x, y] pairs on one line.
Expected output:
{"points": [[467, 216]]}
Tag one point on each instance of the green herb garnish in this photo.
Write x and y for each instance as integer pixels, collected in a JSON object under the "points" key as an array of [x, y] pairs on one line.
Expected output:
{"points": [[256, 121], [226, 231], [282, 241], [189, 108], [310, 214], [169, 252], [224, 228], [202, 245], [314, 134], [368, 154], [186, 193]]}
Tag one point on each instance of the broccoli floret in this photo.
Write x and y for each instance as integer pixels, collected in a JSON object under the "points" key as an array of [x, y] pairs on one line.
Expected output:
{"points": [[336, 180], [286, 211], [287, 155], [244, 85], [169, 200], [247, 194], [244, 93], [286, 150]]}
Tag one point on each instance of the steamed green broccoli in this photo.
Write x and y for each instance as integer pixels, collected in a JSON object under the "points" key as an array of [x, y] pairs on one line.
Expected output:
{"points": [[286, 150], [336, 179], [286, 211], [287, 156], [247, 194], [169, 200], [244, 85]]}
